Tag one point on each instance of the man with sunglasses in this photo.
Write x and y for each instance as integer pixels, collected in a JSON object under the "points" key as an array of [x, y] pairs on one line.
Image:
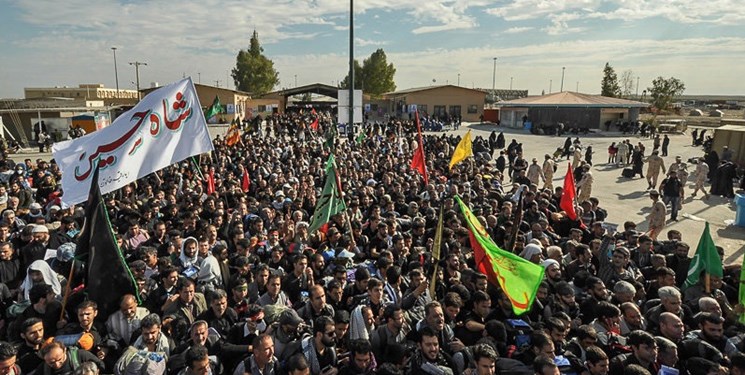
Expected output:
{"points": [[319, 349]]}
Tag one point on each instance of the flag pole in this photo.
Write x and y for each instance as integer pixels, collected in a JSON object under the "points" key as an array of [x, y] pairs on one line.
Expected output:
{"points": [[67, 289], [516, 223], [199, 170], [436, 247], [341, 195]]}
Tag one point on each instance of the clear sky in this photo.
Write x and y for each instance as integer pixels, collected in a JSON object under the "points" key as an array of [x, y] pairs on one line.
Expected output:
{"points": [[55, 43]]}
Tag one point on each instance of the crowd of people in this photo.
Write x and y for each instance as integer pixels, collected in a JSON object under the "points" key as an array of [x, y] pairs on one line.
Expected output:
{"points": [[233, 282]]}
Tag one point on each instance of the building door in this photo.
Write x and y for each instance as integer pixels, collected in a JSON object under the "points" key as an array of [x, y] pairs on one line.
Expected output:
{"points": [[455, 111]]}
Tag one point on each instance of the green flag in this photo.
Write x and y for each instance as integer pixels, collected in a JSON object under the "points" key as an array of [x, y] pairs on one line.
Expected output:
{"points": [[360, 137], [706, 259], [214, 109], [330, 203], [518, 278]]}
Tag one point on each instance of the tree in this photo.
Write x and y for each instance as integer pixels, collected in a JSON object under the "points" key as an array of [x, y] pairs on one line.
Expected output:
{"points": [[375, 76], [609, 85], [254, 72], [627, 83], [358, 78], [664, 91]]}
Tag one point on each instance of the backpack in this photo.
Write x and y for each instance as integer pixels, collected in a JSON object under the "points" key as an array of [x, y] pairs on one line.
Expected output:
{"points": [[140, 362]]}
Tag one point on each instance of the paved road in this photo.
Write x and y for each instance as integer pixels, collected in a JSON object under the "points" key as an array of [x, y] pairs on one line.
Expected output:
{"points": [[627, 199], [623, 198]]}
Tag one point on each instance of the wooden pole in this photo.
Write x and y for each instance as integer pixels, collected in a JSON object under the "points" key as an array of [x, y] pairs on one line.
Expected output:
{"points": [[67, 289]]}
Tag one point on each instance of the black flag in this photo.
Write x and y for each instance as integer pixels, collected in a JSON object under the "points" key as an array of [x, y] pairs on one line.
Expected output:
{"points": [[107, 276]]}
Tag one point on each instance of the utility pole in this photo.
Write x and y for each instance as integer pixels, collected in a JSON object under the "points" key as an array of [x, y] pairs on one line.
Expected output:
{"points": [[217, 83], [562, 79], [510, 83], [116, 74], [577, 89], [350, 126], [494, 75], [199, 79], [458, 79], [550, 85], [137, 75]]}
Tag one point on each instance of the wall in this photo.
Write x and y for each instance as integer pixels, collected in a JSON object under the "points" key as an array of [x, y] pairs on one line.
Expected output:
{"points": [[448, 96], [570, 117]]}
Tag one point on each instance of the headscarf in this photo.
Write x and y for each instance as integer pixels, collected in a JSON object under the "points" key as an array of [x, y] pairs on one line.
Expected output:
{"points": [[186, 261], [530, 250], [50, 278], [66, 252], [549, 262], [357, 326]]}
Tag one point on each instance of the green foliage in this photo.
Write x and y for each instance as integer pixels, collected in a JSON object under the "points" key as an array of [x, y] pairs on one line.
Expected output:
{"points": [[609, 86], [358, 77], [253, 71], [664, 91], [375, 76]]}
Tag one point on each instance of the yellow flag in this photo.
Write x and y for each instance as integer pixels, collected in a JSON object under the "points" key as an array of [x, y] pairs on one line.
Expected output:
{"points": [[463, 150]]}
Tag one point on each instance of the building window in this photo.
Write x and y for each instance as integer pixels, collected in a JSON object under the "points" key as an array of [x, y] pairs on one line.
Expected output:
{"points": [[439, 110], [262, 108], [455, 110], [473, 108], [422, 108]]}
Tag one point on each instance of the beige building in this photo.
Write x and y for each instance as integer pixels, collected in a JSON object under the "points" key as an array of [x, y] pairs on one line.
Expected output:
{"points": [[93, 91], [468, 104], [573, 109]]}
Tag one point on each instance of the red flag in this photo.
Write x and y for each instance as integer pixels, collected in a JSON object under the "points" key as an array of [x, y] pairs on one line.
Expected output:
{"points": [[483, 262], [568, 195], [246, 182], [417, 162], [314, 124], [211, 183]]}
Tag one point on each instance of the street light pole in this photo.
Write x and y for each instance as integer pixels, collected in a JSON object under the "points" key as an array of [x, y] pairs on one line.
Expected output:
{"points": [[458, 79], [137, 75], [510, 83], [116, 73], [295, 80], [562, 79], [550, 85], [494, 75], [351, 67], [577, 89]]}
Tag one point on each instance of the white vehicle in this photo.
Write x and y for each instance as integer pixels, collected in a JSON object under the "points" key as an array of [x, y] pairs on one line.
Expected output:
{"points": [[672, 126]]}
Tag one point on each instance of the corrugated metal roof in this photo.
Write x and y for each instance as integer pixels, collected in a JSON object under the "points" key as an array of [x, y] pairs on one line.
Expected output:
{"points": [[572, 99], [418, 89]]}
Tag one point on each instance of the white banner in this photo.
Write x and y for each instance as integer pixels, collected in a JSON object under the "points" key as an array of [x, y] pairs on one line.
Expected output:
{"points": [[165, 127]]}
